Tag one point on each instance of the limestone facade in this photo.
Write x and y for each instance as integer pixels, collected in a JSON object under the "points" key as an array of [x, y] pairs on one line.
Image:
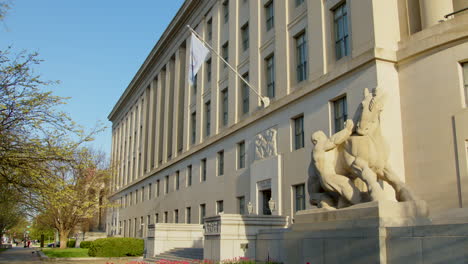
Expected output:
{"points": [[182, 153]]}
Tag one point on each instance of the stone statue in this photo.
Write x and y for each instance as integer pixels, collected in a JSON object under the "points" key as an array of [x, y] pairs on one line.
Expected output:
{"points": [[354, 153], [325, 156]]}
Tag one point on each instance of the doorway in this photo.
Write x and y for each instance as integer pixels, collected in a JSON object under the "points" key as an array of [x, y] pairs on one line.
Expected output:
{"points": [[266, 196]]}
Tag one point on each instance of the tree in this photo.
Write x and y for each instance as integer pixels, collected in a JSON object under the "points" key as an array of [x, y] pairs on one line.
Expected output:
{"points": [[73, 193], [10, 211], [4, 6]]}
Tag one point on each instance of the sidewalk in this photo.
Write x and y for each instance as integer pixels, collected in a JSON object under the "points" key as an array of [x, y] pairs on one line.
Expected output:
{"points": [[19, 255]]}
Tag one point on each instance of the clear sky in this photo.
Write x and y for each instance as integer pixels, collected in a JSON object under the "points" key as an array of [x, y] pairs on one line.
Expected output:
{"points": [[94, 47]]}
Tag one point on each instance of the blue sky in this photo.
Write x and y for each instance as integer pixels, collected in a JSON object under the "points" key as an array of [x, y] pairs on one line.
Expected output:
{"points": [[93, 47]]}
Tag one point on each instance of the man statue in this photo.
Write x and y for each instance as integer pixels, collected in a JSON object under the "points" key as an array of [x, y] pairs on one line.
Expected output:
{"points": [[326, 159]]}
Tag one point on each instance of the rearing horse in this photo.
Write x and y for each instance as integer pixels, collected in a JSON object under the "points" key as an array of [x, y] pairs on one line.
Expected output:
{"points": [[366, 153]]}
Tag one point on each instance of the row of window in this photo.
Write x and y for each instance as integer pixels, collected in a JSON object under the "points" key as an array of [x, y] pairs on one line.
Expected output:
{"points": [[299, 201], [342, 49], [340, 117]]}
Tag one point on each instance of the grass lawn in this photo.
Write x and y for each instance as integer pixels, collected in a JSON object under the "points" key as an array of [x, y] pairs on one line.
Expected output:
{"points": [[66, 253]]}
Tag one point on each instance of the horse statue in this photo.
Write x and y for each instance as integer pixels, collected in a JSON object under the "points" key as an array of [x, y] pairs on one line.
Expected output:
{"points": [[359, 152]]}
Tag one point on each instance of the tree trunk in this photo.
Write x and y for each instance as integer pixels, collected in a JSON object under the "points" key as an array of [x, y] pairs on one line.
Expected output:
{"points": [[64, 238]]}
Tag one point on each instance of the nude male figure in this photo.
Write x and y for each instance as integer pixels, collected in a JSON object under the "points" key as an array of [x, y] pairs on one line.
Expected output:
{"points": [[325, 158]]}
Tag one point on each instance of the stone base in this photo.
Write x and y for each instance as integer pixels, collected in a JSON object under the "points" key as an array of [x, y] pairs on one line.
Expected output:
{"points": [[372, 214], [229, 236], [384, 232]]}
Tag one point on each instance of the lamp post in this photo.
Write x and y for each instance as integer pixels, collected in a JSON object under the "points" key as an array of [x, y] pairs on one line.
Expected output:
{"points": [[250, 208], [272, 205]]}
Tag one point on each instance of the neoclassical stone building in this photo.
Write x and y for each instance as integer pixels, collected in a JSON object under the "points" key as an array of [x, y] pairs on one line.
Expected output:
{"points": [[182, 153]]}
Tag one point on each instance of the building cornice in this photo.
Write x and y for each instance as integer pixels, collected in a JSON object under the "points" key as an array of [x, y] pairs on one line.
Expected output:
{"points": [[177, 24]]}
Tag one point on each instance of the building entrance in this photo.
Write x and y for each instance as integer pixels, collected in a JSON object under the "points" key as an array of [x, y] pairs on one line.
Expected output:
{"points": [[266, 196]]}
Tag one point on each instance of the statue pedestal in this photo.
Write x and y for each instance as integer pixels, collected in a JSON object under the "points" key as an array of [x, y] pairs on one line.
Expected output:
{"points": [[372, 214], [376, 232]]}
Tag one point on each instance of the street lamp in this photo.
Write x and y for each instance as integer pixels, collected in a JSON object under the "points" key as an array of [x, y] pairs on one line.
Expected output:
{"points": [[272, 205], [250, 208]]}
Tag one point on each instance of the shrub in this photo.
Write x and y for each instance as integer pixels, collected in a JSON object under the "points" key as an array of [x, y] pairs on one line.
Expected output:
{"points": [[116, 247], [85, 244], [71, 243]]}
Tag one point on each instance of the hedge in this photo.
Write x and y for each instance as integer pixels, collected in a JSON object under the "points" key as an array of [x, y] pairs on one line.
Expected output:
{"points": [[71, 243], [85, 244], [116, 247]]}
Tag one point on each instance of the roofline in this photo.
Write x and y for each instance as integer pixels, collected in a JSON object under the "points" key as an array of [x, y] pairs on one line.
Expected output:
{"points": [[152, 55]]}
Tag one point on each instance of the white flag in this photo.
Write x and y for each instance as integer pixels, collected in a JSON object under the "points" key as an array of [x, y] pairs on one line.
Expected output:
{"points": [[198, 53]]}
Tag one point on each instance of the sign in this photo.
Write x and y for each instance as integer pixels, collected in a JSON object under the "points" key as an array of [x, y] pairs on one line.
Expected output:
{"points": [[212, 227]]}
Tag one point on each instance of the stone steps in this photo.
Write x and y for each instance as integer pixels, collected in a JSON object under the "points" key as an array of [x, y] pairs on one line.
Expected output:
{"points": [[180, 254]]}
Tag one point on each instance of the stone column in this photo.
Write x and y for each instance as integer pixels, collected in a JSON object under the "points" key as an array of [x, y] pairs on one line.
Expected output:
{"points": [[316, 44], [282, 51], [186, 87], [151, 119], [168, 112], [137, 150], [233, 80], [159, 118], [255, 61], [178, 90]]}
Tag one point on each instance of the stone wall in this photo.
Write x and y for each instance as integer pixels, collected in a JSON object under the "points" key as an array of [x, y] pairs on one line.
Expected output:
{"points": [[164, 237]]}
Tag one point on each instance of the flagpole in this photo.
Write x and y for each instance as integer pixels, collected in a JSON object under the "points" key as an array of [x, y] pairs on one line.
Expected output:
{"points": [[265, 100]]}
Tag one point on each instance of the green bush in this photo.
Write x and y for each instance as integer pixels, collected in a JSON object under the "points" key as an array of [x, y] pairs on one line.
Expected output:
{"points": [[116, 247], [85, 244], [71, 243]]}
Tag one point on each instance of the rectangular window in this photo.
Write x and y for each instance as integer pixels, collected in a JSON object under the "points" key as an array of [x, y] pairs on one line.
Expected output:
{"points": [[226, 11], [298, 132], [301, 57], [241, 205], [195, 86], [142, 223], [177, 180], [245, 94], [157, 188], [225, 53], [176, 216], [189, 175], [150, 191], [203, 170], [269, 15], [299, 2], [188, 215], [219, 207], [241, 154], [136, 196], [270, 76], [221, 163], [299, 194], [130, 198], [209, 29], [202, 213], [225, 106], [156, 218], [207, 118], [340, 110], [245, 36], [465, 81], [194, 127], [142, 193], [135, 228], [208, 70], [165, 217], [340, 18], [166, 184]]}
